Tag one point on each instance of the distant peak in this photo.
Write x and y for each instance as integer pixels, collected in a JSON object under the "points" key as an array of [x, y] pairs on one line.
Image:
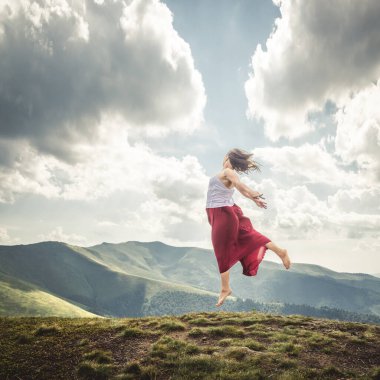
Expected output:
{"points": [[52, 242]]}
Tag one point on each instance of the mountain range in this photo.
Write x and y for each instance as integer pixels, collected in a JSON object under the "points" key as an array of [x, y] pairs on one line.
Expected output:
{"points": [[147, 278]]}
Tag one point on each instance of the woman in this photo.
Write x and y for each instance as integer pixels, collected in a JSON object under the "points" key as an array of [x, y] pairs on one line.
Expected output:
{"points": [[233, 236]]}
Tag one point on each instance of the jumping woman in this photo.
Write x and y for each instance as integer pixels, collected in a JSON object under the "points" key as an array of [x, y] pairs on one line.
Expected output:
{"points": [[233, 236]]}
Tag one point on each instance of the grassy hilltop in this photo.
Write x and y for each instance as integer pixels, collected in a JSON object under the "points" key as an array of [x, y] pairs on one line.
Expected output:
{"points": [[206, 345]]}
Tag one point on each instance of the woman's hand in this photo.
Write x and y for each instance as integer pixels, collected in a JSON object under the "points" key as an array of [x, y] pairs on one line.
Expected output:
{"points": [[260, 203], [255, 194], [258, 199]]}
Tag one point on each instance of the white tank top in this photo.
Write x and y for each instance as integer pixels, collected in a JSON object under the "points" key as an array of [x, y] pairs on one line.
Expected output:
{"points": [[218, 194]]}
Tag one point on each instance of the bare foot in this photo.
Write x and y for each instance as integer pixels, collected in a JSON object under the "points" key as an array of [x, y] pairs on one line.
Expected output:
{"points": [[223, 295], [285, 258]]}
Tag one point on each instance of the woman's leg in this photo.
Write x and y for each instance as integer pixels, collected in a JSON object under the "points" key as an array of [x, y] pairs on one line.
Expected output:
{"points": [[224, 234], [281, 252], [226, 290]]}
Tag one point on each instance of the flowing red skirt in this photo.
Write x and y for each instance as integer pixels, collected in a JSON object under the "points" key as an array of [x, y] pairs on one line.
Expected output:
{"points": [[234, 239]]}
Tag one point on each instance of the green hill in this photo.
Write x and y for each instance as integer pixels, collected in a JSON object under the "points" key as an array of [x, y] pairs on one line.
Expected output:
{"points": [[20, 298], [207, 345]]}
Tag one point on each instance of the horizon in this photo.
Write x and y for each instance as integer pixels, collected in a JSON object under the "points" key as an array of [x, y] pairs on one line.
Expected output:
{"points": [[208, 249]]}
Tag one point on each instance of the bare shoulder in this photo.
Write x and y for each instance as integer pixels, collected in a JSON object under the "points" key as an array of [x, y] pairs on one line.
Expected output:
{"points": [[224, 173], [231, 175]]}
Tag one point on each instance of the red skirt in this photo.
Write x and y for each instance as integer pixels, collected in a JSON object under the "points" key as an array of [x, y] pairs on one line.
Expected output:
{"points": [[234, 239]]}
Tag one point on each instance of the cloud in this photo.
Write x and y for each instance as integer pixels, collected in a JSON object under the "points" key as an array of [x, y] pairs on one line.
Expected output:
{"points": [[26, 171], [339, 254], [320, 69], [79, 80], [360, 200], [292, 213], [5, 238], [358, 132], [308, 163], [57, 234], [106, 223], [110, 165], [358, 210], [295, 212], [318, 51], [66, 65], [162, 195]]}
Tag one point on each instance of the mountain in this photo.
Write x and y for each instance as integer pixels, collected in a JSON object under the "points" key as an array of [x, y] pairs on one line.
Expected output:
{"points": [[207, 345], [307, 284], [75, 275], [137, 278]]}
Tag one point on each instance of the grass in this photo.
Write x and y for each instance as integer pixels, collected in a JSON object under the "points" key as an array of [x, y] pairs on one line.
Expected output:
{"points": [[99, 356], [286, 347], [94, 371], [47, 330], [215, 345], [224, 331], [172, 326], [133, 332]]}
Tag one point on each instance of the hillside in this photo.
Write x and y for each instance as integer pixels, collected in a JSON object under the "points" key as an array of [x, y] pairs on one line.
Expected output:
{"points": [[20, 298], [151, 278], [66, 273], [213, 345], [307, 284]]}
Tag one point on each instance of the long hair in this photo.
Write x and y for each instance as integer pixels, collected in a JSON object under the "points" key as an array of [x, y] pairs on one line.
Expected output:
{"points": [[241, 161]]}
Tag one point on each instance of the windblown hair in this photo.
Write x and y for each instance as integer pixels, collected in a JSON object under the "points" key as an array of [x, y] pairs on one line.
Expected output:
{"points": [[241, 161]]}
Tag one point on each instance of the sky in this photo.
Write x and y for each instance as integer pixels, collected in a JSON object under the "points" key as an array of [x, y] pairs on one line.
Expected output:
{"points": [[114, 115]]}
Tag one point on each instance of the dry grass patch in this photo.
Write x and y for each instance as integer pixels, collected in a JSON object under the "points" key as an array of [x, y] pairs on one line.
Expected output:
{"points": [[196, 332], [253, 344], [318, 340], [167, 346], [226, 342], [202, 322], [45, 329], [172, 326], [209, 350], [91, 370], [225, 331], [286, 347], [133, 332], [237, 352], [99, 356]]}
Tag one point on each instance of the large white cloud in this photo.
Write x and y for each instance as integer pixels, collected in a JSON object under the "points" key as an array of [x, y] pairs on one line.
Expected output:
{"points": [[64, 64], [309, 163], [360, 200], [292, 213], [111, 164], [78, 79], [295, 212], [358, 132], [319, 50], [169, 192]]}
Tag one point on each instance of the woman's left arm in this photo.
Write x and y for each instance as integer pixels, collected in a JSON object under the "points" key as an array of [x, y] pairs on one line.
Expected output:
{"points": [[240, 186]]}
